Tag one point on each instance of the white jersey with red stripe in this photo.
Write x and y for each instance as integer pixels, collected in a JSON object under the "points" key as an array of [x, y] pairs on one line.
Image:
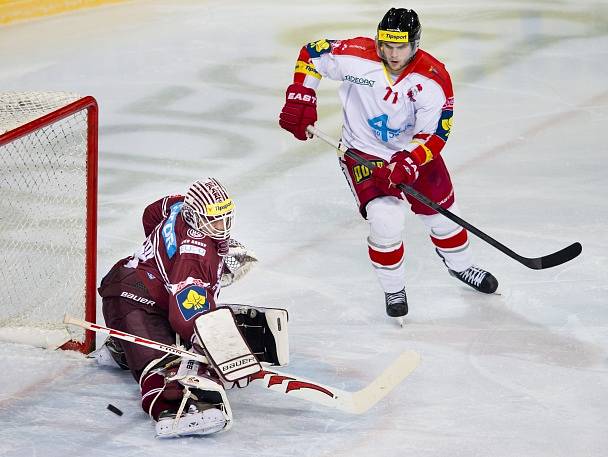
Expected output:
{"points": [[383, 115]]}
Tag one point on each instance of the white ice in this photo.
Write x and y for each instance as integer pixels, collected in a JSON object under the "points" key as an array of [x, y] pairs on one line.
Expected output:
{"points": [[192, 88]]}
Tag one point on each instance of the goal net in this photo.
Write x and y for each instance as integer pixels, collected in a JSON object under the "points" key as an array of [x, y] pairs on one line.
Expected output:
{"points": [[48, 206]]}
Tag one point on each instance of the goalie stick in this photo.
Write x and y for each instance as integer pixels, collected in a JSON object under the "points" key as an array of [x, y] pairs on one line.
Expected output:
{"points": [[536, 263], [356, 402]]}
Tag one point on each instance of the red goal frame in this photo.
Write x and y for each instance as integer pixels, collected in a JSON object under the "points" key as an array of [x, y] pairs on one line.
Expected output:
{"points": [[90, 104]]}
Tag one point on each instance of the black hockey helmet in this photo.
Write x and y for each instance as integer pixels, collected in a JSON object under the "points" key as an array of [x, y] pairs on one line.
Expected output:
{"points": [[399, 25]]}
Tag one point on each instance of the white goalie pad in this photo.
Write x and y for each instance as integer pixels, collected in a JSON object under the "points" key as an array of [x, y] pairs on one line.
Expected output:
{"points": [[237, 262], [224, 345], [199, 386]]}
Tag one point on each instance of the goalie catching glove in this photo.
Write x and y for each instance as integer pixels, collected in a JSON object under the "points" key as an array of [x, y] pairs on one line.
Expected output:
{"points": [[237, 262]]}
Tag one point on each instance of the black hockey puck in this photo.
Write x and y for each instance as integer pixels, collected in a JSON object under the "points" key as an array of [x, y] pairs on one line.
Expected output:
{"points": [[114, 409]]}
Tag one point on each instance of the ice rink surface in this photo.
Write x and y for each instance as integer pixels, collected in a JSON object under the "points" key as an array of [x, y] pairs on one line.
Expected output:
{"points": [[188, 89]]}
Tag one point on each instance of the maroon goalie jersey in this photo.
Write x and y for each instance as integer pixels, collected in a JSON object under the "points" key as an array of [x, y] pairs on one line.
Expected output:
{"points": [[176, 272]]}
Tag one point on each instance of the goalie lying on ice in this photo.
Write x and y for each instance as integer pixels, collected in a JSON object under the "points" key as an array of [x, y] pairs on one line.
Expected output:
{"points": [[167, 291]]}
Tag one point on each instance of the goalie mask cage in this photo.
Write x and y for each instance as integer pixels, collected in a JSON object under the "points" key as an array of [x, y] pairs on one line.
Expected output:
{"points": [[48, 217]]}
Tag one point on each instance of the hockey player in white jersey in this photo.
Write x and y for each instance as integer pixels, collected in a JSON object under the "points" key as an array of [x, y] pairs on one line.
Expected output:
{"points": [[397, 112]]}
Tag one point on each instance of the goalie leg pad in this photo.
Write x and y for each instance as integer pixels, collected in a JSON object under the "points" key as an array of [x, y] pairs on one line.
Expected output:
{"points": [[265, 330], [204, 408], [158, 392], [196, 420], [224, 345]]}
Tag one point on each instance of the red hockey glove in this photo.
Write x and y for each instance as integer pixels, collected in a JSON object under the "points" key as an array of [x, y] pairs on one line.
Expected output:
{"points": [[401, 170], [300, 110]]}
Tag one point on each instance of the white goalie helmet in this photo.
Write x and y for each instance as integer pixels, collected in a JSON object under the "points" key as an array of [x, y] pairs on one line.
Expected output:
{"points": [[208, 208]]}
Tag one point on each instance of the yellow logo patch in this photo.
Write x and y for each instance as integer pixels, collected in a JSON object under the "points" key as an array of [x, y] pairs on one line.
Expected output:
{"points": [[194, 300], [393, 37], [307, 69], [220, 208], [361, 172], [321, 45], [446, 124]]}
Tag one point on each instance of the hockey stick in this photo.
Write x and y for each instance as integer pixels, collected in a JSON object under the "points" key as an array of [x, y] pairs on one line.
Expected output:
{"points": [[356, 402], [536, 263]]}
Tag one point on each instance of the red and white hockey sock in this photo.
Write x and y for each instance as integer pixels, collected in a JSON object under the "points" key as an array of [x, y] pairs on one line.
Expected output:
{"points": [[450, 239], [455, 250], [388, 263]]}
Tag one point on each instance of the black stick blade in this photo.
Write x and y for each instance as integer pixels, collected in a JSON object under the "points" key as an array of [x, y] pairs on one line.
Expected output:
{"points": [[552, 260]]}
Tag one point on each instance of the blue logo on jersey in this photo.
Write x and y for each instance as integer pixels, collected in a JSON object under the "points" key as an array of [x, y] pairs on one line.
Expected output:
{"points": [[381, 128], [445, 125], [192, 301], [168, 230]]}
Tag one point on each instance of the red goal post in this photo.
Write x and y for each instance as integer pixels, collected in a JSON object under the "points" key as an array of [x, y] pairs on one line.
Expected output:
{"points": [[48, 223]]}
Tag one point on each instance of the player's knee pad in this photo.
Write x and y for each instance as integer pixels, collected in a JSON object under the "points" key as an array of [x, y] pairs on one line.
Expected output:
{"points": [[440, 226], [386, 217]]}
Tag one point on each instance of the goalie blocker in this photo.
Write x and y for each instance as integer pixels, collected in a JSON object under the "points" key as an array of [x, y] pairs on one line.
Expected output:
{"points": [[265, 330], [237, 343]]}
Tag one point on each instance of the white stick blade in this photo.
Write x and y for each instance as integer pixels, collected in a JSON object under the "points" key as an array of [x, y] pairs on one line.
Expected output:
{"points": [[390, 378]]}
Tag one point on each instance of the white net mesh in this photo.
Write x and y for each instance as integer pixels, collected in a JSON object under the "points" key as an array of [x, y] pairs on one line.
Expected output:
{"points": [[43, 184]]}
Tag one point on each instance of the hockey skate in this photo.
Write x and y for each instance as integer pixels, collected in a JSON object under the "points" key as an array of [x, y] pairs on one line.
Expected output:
{"points": [[198, 418], [396, 303], [110, 354], [475, 277]]}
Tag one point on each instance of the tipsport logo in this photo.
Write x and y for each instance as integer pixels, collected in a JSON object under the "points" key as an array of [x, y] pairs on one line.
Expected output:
{"points": [[379, 124], [393, 37]]}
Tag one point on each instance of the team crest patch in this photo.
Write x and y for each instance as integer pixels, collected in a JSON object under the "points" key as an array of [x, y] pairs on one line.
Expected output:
{"points": [[379, 124], [316, 48], [445, 125], [192, 301], [195, 234], [414, 91]]}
